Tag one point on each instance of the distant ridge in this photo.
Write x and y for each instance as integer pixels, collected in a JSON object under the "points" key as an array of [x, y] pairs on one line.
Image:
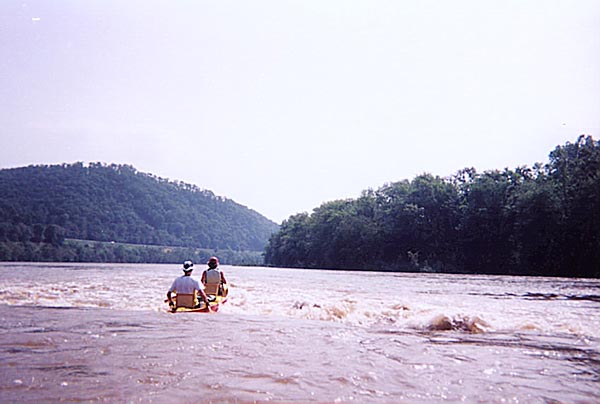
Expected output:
{"points": [[118, 203]]}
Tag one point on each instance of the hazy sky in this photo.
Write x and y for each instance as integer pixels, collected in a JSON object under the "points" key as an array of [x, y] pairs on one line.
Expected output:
{"points": [[282, 105]]}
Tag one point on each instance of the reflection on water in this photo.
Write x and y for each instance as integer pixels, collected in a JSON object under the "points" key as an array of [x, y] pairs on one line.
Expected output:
{"points": [[101, 333]]}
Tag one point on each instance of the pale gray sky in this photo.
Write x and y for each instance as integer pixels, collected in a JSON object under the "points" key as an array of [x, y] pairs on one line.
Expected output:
{"points": [[282, 105]]}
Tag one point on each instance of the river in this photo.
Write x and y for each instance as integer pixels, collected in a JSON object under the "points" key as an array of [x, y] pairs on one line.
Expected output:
{"points": [[101, 333]]}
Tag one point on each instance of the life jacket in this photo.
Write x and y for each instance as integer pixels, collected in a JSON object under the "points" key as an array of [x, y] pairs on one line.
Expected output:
{"points": [[213, 277]]}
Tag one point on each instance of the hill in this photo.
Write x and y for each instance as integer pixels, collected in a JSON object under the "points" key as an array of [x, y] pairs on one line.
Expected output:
{"points": [[117, 203]]}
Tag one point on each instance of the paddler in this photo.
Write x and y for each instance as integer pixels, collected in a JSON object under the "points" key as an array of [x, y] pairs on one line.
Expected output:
{"points": [[213, 277], [185, 284]]}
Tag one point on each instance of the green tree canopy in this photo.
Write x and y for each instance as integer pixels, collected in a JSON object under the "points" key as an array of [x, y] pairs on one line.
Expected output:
{"points": [[543, 220], [117, 203]]}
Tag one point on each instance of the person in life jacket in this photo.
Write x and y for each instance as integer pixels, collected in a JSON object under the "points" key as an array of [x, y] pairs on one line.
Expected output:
{"points": [[185, 284], [213, 278]]}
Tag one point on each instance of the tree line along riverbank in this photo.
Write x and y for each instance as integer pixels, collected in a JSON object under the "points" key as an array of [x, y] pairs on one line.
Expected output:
{"points": [[540, 220], [71, 250]]}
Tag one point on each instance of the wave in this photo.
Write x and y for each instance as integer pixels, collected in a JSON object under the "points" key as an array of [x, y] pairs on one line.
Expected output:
{"points": [[473, 324], [398, 314]]}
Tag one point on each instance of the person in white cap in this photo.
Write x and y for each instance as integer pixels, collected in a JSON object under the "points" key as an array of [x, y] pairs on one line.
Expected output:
{"points": [[185, 284]]}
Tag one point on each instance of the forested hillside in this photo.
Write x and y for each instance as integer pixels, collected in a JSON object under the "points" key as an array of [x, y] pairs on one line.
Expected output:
{"points": [[543, 220], [116, 203]]}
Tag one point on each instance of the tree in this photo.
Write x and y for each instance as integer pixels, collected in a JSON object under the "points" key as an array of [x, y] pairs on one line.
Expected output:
{"points": [[37, 233], [575, 170], [53, 235]]}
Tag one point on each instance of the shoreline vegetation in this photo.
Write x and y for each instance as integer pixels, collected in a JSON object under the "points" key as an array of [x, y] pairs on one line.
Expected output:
{"points": [[71, 250], [542, 220]]}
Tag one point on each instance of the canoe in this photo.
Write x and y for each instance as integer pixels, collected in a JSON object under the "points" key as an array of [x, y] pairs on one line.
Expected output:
{"points": [[214, 305], [215, 302]]}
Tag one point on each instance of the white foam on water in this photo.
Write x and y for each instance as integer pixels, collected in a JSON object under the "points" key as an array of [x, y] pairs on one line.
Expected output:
{"points": [[433, 302]]}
